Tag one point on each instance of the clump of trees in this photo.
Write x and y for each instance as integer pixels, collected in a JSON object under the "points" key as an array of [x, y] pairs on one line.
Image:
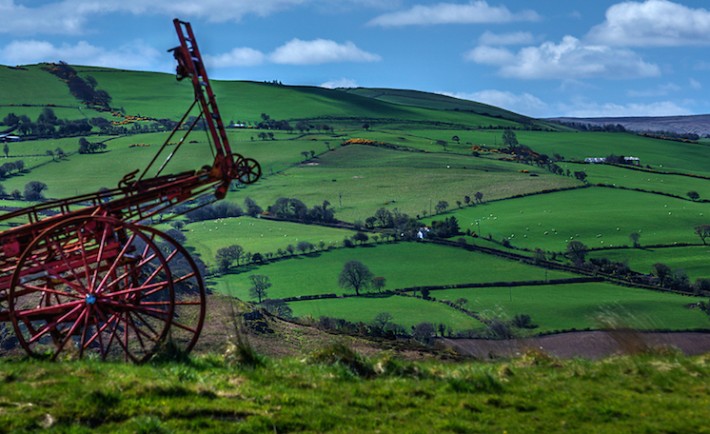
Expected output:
{"points": [[34, 190], [47, 125], [395, 224], [294, 209], [447, 228], [226, 256], [215, 211], [11, 167], [86, 147], [84, 90]]}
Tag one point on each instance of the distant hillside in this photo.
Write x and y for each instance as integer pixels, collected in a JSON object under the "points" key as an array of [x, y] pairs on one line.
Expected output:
{"points": [[159, 96], [437, 101], [698, 124]]}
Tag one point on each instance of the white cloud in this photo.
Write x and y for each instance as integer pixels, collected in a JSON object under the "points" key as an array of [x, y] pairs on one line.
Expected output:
{"points": [[473, 12], [136, 55], [340, 83], [242, 56], [594, 110], [695, 84], [653, 23], [318, 51], [526, 103], [490, 55], [74, 16], [570, 59], [64, 17], [517, 38]]}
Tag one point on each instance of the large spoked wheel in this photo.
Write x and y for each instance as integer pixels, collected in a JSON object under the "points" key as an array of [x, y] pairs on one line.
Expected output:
{"points": [[247, 170], [190, 294], [92, 286]]}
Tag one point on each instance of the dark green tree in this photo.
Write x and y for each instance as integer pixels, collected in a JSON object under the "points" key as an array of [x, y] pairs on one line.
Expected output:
{"points": [[34, 190], [355, 275], [227, 255], [577, 252], [441, 206]]}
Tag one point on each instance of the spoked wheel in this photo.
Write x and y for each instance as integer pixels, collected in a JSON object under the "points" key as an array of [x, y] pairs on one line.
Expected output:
{"points": [[247, 170], [92, 286], [190, 294]]}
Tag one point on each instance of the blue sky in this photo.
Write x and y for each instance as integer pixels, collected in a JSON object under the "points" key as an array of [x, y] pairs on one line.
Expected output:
{"points": [[541, 58]]}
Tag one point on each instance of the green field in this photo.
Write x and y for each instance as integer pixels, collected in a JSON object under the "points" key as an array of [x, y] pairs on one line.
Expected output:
{"points": [[404, 265], [257, 235], [598, 217], [617, 176], [369, 178], [584, 305], [405, 311], [695, 260], [336, 391], [424, 155]]}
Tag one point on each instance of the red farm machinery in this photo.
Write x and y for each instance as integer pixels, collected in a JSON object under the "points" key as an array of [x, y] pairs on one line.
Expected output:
{"points": [[88, 276]]}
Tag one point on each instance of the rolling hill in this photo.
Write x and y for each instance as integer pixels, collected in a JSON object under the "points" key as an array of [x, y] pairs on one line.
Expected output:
{"points": [[423, 158]]}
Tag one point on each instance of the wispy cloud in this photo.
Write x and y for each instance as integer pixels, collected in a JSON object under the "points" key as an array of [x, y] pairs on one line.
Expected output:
{"points": [[242, 56], [524, 103], [653, 23], [570, 59], [136, 55], [474, 12], [73, 17], [318, 51]]}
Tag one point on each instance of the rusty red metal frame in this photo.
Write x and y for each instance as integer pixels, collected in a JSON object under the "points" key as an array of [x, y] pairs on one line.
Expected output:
{"points": [[53, 244]]}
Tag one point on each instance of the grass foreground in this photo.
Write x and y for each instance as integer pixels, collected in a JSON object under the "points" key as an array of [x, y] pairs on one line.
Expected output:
{"points": [[338, 390]]}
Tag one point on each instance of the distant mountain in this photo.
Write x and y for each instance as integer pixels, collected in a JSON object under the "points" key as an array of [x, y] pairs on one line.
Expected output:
{"points": [[697, 124]]}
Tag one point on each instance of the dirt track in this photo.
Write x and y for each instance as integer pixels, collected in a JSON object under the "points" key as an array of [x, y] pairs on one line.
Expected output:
{"points": [[591, 345]]}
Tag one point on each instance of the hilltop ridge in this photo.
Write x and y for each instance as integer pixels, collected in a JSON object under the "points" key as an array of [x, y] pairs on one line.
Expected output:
{"points": [[692, 124]]}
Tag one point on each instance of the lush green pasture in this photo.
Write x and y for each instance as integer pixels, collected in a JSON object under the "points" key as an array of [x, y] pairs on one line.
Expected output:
{"points": [[142, 93], [599, 217], [405, 311], [31, 85], [357, 180], [695, 260], [584, 305], [28, 149], [161, 96], [660, 154], [341, 392], [439, 102], [404, 265], [87, 173], [257, 235], [677, 185]]}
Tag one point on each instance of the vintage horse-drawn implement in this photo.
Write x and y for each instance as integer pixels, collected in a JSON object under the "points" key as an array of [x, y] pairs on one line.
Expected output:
{"points": [[87, 275]]}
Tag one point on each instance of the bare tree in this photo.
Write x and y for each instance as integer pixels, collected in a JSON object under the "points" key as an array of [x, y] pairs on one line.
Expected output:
{"points": [[260, 284], [703, 231], [355, 275]]}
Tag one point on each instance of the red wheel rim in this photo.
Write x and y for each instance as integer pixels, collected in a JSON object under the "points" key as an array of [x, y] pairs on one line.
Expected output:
{"points": [[92, 285], [190, 294]]}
